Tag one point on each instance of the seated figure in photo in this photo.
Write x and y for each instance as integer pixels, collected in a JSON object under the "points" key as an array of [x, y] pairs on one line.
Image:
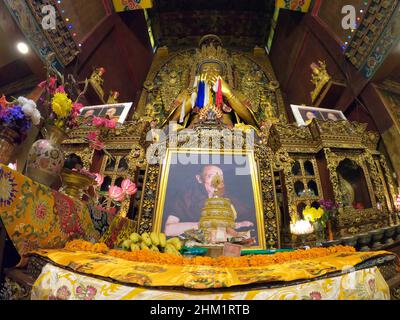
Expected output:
{"points": [[332, 116], [185, 211]]}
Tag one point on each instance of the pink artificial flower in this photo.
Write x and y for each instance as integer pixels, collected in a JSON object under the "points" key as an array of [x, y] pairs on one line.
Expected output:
{"points": [[76, 107], [60, 89], [52, 82], [98, 145], [111, 124], [99, 179], [98, 122], [128, 187], [42, 84], [92, 136], [116, 193]]}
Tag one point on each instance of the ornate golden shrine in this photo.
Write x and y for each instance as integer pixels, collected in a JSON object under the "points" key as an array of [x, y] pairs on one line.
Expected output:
{"points": [[298, 165]]}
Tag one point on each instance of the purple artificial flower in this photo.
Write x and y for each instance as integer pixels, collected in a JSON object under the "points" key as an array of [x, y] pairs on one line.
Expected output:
{"points": [[328, 204], [14, 118]]}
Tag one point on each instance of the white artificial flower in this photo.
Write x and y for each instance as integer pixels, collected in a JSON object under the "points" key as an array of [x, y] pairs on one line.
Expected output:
{"points": [[22, 100], [32, 103], [36, 117], [28, 109]]}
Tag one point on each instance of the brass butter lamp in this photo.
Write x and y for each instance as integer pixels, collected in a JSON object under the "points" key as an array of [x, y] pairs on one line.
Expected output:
{"points": [[75, 182]]}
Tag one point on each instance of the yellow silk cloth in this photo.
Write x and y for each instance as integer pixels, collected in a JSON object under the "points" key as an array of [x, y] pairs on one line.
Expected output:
{"points": [[59, 284], [202, 277]]}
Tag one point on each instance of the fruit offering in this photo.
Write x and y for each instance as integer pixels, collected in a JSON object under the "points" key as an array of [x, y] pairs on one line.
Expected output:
{"points": [[154, 241]]}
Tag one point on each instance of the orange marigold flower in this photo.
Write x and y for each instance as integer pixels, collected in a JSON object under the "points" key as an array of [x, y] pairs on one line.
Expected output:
{"points": [[233, 262]]}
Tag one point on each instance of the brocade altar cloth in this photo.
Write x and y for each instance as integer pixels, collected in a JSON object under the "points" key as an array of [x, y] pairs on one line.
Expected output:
{"points": [[55, 283], [36, 216], [169, 276]]}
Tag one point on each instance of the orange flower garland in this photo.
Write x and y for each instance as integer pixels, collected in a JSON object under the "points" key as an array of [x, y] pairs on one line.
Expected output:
{"points": [[235, 262]]}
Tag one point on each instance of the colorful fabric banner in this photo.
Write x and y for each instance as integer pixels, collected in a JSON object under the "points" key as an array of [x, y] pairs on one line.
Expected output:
{"points": [[294, 5], [202, 276], [55, 283], [36, 216], [128, 5]]}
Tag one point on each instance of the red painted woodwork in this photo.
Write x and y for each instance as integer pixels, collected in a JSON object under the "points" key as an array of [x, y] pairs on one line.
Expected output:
{"points": [[120, 44]]}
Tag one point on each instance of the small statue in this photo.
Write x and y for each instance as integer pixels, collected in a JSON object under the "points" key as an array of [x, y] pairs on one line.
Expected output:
{"points": [[319, 78], [113, 98], [96, 79], [151, 112]]}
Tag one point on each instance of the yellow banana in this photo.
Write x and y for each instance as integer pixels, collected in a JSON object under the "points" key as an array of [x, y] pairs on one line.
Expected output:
{"points": [[155, 238], [146, 239], [163, 240], [134, 247], [135, 237], [126, 245]]}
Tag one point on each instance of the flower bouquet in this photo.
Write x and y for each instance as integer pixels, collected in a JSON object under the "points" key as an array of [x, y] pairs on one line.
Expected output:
{"points": [[331, 210], [319, 218], [16, 118], [46, 158], [118, 196]]}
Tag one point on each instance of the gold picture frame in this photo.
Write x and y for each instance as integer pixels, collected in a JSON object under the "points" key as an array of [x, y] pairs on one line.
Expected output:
{"points": [[254, 178]]}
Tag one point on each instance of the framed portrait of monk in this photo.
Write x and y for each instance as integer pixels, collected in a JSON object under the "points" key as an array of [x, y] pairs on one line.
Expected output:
{"points": [[117, 112], [186, 183], [304, 115]]}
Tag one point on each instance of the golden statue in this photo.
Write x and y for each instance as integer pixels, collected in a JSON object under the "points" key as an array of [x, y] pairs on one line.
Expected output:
{"points": [[97, 81], [113, 97], [319, 78], [210, 93], [347, 191], [151, 112]]}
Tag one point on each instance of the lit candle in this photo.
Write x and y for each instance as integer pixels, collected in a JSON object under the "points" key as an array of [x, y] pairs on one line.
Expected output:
{"points": [[301, 227]]}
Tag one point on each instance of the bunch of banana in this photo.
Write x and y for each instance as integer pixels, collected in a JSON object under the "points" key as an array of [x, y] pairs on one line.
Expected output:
{"points": [[154, 241]]}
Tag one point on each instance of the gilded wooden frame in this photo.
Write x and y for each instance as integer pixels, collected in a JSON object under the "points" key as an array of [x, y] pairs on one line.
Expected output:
{"points": [[263, 160], [352, 220], [158, 217]]}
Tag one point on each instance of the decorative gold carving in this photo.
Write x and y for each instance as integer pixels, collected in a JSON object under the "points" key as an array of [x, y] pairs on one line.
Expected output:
{"points": [[353, 221], [215, 140], [319, 78], [97, 81], [251, 75]]}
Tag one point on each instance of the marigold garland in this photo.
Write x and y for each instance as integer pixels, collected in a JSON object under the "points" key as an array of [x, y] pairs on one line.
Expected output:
{"points": [[234, 262]]}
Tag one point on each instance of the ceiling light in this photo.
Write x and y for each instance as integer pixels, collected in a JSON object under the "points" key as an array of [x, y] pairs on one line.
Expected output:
{"points": [[23, 47]]}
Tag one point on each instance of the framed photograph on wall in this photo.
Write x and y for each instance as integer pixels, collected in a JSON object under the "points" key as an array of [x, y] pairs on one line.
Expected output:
{"points": [[118, 111], [304, 114], [186, 185]]}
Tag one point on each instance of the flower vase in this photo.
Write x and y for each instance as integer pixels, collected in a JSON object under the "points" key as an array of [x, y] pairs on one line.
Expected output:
{"points": [[46, 158], [8, 143], [319, 231]]}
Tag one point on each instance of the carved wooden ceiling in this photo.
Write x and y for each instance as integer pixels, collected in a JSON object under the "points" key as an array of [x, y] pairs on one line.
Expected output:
{"points": [[178, 23]]}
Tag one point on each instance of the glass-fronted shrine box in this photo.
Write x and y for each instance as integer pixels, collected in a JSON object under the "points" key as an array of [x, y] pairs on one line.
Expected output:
{"points": [[335, 161]]}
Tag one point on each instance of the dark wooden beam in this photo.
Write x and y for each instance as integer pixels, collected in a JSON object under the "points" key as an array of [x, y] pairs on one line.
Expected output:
{"points": [[20, 86], [8, 25], [355, 81]]}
